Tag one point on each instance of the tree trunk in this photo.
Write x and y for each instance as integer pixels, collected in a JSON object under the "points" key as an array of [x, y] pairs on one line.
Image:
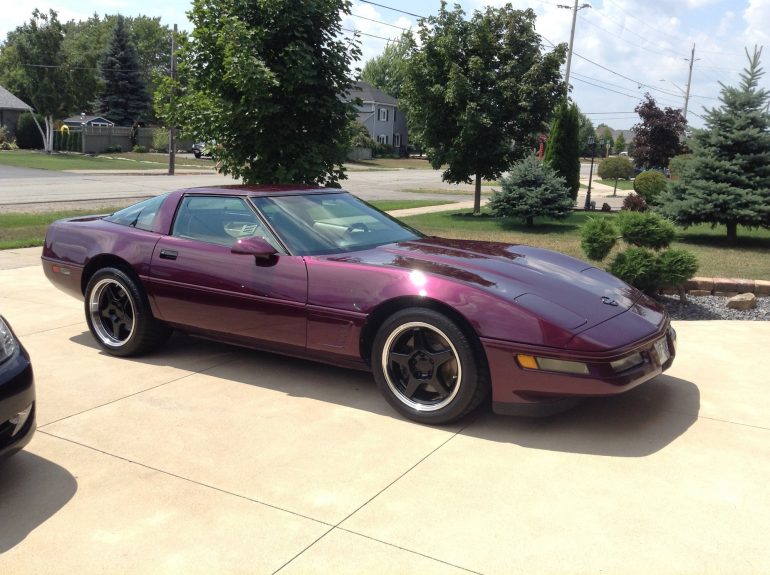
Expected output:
{"points": [[615, 189], [530, 221], [49, 133], [732, 232], [40, 129], [477, 196]]}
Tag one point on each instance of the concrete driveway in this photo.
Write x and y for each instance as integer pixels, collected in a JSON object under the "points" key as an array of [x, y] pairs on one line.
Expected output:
{"points": [[203, 458]]}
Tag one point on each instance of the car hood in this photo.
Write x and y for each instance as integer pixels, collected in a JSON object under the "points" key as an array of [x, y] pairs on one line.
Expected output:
{"points": [[565, 291]]}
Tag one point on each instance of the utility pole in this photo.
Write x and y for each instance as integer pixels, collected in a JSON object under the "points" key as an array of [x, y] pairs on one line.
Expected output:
{"points": [[689, 81], [571, 37], [171, 138]]}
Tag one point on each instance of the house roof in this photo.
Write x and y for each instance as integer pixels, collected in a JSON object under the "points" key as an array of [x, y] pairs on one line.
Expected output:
{"points": [[369, 93], [87, 119], [10, 102]]}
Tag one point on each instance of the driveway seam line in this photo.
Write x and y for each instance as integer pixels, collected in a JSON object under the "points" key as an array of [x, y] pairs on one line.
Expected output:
{"points": [[137, 393], [187, 479], [373, 497]]}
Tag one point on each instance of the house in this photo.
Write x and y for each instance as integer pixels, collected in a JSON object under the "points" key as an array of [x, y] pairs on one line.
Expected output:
{"points": [[10, 110], [78, 121], [379, 113]]}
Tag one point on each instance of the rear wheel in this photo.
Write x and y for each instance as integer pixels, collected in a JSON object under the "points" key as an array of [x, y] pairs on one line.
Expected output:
{"points": [[427, 368], [119, 316]]}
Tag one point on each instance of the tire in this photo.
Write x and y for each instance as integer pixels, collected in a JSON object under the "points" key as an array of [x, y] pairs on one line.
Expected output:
{"points": [[119, 316], [427, 368]]}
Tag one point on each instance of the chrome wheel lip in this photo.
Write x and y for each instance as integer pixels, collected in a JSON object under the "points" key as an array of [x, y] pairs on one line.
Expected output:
{"points": [[95, 309], [385, 361]]}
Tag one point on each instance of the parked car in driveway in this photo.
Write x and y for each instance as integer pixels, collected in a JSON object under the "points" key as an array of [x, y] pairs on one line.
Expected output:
{"points": [[17, 393], [320, 274]]}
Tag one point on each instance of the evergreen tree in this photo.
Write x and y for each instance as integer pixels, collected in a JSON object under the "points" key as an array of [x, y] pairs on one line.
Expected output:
{"points": [[563, 149], [620, 144], [587, 131], [532, 189], [728, 179], [124, 99]]}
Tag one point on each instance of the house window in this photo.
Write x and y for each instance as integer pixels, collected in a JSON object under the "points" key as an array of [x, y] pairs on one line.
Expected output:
{"points": [[383, 114], [382, 139], [397, 140]]}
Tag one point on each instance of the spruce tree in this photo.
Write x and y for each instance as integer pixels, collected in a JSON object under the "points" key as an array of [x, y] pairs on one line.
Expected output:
{"points": [[124, 99], [728, 179], [562, 152]]}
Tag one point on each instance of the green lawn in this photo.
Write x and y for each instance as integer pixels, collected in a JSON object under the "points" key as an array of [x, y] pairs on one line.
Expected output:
{"points": [[625, 185], [748, 259], [442, 192], [390, 164], [390, 205], [114, 161]]}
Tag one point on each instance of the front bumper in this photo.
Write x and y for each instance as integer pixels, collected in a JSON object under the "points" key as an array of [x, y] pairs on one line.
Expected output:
{"points": [[17, 396], [520, 391]]}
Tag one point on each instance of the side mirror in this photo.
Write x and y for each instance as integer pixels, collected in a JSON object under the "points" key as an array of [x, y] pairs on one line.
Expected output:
{"points": [[254, 246]]}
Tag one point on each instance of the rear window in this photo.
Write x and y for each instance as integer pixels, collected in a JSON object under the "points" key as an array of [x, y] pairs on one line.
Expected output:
{"points": [[140, 216]]}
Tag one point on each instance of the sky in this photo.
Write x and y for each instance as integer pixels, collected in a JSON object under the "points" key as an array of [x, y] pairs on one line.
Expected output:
{"points": [[622, 48]]}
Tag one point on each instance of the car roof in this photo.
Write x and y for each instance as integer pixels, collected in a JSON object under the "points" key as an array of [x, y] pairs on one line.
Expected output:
{"points": [[261, 189]]}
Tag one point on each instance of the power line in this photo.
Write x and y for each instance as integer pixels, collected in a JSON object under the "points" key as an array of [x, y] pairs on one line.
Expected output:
{"points": [[391, 8], [379, 22], [367, 34], [610, 32]]}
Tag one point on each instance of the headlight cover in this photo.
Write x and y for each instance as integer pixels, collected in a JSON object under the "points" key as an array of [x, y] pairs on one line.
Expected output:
{"points": [[7, 341]]}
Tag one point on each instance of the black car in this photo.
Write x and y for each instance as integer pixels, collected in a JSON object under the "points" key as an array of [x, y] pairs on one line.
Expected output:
{"points": [[17, 393], [201, 149]]}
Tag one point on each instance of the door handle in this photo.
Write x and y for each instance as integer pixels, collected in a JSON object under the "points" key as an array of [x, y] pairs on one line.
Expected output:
{"points": [[168, 254]]}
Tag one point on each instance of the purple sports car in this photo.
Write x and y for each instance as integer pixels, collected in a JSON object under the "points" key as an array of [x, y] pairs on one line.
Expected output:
{"points": [[320, 274]]}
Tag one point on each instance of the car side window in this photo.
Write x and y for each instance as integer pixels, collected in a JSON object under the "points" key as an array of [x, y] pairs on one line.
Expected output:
{"points": [[218, 220]]}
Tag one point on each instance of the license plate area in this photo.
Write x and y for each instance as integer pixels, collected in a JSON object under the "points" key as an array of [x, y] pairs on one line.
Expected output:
{"points": [[661, 350]]}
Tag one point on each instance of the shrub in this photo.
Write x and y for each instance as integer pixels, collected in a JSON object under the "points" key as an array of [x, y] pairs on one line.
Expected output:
{"points": [[160, 140], [28, 136], [618, 167], [650, 185], [3, 134], [139, 149], [677, 164], [532, 189], [634, 203], [676, 267], [114, 149], [646, 229], [606, 207], [597, 238], [638, 267]]}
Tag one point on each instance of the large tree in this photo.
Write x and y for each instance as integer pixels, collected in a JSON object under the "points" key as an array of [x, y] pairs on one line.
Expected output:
{"points": [[587, 131], [124, 99], [563, 149], [38, 71], [388, 70], [266, 80], [727, 180], [479, 91], [659, 135]]}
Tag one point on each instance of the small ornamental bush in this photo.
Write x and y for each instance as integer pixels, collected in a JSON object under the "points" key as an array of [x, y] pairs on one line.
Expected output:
{"points": [[676, 266], [139, 149], [646, 229], [28, 136], [650, 185], [638, 267], [532, 189], [616, 167], [634, 203], [597, 238]]}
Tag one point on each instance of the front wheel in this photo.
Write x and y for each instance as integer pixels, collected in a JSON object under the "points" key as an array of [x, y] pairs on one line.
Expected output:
{"points": [[119, 316], [427, 368]]}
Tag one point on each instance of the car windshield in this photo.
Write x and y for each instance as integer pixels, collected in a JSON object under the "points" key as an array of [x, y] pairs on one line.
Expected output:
{"points": [[314, 224]]}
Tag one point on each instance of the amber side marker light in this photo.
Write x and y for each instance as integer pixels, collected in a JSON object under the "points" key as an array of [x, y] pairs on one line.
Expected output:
{"points": [[547, 364]]}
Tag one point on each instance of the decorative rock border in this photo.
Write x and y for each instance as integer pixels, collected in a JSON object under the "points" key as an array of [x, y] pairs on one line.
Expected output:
{"points": [[725, 287]]}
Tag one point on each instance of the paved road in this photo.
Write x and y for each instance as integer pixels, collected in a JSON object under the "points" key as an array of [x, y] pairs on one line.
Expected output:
{"points": [[42, 188]]}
